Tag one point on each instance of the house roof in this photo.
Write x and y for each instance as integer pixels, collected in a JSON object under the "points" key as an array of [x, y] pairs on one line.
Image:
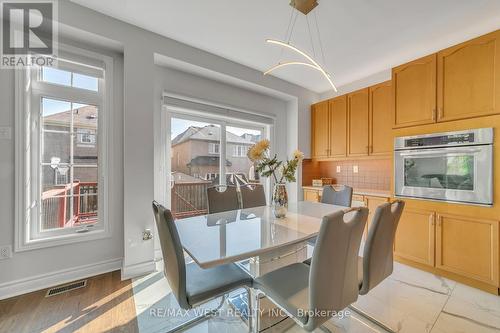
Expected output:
{"points": [[206, 161], [208, 133], [84, 117]]}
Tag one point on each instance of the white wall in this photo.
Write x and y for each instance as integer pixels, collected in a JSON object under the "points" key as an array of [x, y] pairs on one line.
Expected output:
{"points": [[137, 183]]}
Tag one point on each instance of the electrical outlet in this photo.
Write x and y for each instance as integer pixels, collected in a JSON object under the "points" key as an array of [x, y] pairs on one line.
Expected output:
{"points": [[355, 169], [338, 168], [5, 252], [5, 133]]}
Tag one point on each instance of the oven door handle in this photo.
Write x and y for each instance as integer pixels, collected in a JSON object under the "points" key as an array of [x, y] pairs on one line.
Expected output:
{"points": [[441, 151]]}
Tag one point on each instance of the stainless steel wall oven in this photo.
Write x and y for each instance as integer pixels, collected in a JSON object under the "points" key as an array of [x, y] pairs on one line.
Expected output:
{"points": [[452, 166]]}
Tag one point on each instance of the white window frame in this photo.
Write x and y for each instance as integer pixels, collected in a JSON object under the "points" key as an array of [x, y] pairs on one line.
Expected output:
{"points": [[214, 148], [29, 92], [240, 151]]}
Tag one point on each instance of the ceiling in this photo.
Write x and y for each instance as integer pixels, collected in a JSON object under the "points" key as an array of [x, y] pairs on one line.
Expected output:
{"points": [[360, 37]]}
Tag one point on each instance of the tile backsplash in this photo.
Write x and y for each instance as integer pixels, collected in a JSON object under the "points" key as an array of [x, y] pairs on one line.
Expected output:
{"points": [[371, 174]]}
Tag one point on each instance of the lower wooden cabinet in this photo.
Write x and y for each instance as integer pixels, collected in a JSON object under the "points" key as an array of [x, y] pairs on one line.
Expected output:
{"points": [[415, 236], [311, 195], [468, 246]]}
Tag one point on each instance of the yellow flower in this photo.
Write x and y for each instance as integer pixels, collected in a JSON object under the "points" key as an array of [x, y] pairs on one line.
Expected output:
{"points": [[256, 152], [298, 155], [263, 145]]}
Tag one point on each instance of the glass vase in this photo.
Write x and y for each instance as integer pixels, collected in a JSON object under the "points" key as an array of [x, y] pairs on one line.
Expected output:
{"points": [[280, 200]]}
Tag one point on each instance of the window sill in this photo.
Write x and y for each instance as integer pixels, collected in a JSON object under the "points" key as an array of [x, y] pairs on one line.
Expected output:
{"points": [[72, 238]]}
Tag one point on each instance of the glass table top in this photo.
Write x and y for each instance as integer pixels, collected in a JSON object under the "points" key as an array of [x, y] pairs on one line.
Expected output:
{"points": [[231, 236]]}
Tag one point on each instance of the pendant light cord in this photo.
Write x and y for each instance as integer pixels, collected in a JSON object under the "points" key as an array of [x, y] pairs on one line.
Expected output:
{"points": [[310, 36], [319, 38]]}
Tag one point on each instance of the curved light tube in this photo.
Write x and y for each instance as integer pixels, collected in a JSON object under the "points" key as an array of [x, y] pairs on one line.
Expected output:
{"points": [[313, 64], [283, 64]]}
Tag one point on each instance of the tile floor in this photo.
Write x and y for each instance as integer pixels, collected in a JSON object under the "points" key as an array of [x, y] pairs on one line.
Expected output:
{"points": [[410, 300]]}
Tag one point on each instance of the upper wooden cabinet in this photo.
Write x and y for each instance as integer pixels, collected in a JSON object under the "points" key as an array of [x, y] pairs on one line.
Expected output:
{"points": [[338, 126], [414, 92], [320, 130], [358, 123], [380, 119], [468, 77]]}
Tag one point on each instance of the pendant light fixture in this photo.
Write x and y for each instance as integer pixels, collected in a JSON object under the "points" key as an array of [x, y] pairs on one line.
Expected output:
{"points": [[305, 7]]}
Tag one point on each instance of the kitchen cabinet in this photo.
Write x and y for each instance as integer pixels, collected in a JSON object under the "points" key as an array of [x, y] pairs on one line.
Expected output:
{"points": [[415, 236], [381, 142], [468, 79], [338, 126], [312, 195], [320, 130], [414, 92], [358, 123], [468, 246]]}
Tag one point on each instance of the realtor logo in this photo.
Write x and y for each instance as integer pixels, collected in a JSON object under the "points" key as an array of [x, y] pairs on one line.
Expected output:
{"points": [[29, 33]]}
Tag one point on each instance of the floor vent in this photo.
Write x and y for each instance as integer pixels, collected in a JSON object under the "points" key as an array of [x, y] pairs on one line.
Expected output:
{"points": [[66, 287]]}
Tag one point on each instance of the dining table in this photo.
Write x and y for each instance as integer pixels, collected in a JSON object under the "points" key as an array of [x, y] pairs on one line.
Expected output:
{"points": [[256, 240]]}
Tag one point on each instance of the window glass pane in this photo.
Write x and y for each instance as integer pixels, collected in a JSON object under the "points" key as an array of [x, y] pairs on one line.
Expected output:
{"points": [[56, 76], [56, 128], [195, 163], [240, 169], [85, 82], [85, 124], [85, 192]]}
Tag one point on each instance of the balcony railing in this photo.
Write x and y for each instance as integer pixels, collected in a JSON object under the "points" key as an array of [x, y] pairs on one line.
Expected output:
{"points": [[56, 208], [189, 199]]}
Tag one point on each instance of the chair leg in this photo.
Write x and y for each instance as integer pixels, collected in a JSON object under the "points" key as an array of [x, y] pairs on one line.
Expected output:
{"points": [[195, 320], [370, 318], [254, 306]]}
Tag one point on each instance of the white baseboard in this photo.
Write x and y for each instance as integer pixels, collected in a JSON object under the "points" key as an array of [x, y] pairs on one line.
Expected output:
{"points": [[42, 281], [136, 270]]}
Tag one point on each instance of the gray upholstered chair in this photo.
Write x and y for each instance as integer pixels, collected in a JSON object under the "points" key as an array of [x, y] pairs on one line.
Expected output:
{"points": [[342, 197], [252, 195], [377, 261], [190, 284], [329, 284], [222, 198]]}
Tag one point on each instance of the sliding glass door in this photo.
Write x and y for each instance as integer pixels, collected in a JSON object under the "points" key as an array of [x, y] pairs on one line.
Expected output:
{"points": [[207, 151]]}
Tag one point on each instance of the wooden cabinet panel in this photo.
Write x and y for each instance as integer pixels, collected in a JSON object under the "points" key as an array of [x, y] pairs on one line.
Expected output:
{"points": [[358, 123], [415, 236], [372, 203], [414, 92], [469, 79], [311, 195], [320, 129], [381, 119], [338, 126], [468, 246]]}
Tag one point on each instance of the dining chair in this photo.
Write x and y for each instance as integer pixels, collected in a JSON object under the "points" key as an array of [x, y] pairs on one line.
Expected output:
{"points": [[252, 195], [331, 196], [222, 198], [190, 284], [341, 197], [313, 294]]}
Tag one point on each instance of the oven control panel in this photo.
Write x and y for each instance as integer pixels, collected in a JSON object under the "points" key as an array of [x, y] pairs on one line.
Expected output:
{"points": [[442, 140]]}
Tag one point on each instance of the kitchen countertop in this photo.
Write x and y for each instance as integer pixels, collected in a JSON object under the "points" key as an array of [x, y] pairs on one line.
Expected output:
{"points": [[357, 191]]}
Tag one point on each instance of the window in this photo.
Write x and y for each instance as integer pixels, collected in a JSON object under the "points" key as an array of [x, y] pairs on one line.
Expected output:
{"points": [[86, 137], [213, 148], [240, 151], [63, 125]]}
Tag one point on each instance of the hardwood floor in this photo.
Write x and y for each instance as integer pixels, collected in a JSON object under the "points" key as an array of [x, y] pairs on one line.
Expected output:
{"points": [[106, 304]]}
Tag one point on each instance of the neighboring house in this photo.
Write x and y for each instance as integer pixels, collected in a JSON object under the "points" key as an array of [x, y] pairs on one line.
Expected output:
{"points": [[57, 146], [196, 152]]}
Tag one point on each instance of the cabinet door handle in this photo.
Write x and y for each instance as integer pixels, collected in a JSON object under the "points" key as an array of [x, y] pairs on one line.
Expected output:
{"points": [[440, 113], [434, 114], [432, 221]]}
